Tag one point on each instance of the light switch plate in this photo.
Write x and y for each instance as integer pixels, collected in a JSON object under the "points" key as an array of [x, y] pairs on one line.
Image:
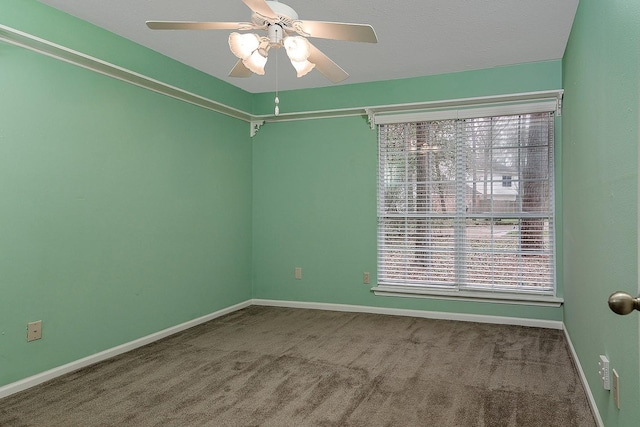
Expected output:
{"points": [[34, 330], [616, 388]]}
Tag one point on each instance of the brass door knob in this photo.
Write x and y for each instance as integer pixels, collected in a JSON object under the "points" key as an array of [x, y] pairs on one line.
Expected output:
{"points": [[623, 303]]}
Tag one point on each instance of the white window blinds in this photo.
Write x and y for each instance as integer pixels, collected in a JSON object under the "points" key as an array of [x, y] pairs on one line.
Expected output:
{"points": [[467, 204]]}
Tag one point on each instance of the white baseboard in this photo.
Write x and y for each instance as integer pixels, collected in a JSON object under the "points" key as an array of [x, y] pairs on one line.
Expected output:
{"points": [[34, 380], [583, 379], [500, 320], [549, 324]]}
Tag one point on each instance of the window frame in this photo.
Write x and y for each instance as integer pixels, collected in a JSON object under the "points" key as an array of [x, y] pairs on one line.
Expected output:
{"points": [[547, 298]]}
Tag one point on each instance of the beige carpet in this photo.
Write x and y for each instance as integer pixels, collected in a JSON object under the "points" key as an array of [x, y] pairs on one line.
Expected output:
{"points": [[292, 367]]}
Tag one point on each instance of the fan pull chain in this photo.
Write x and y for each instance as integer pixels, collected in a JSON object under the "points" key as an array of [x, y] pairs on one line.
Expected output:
{"points": [[277, 100]]}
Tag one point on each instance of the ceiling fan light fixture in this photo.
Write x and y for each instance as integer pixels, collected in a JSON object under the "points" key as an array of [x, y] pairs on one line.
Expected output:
{"points": [[303, 67], [281, 23], [243, 45], [256, 62], [298, 48]]}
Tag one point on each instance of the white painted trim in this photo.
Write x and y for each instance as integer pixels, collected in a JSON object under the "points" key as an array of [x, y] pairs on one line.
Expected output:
{"points": [[42, 377], [486, 108], [71, 56], [65, 54], [499, 320], [461, 295], [539, 101], [583, 379], [34, 380]]}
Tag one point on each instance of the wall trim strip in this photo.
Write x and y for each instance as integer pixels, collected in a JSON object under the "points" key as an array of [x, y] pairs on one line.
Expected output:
{"points": [[378, 113], [50, 374], [441, 315], [42, 377], [48, 48], [583, 379], [34, 380], [53, 50], [461, 295]]}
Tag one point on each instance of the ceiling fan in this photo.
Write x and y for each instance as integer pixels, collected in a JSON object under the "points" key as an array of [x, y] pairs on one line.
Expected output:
{"points": [[284, 29]]}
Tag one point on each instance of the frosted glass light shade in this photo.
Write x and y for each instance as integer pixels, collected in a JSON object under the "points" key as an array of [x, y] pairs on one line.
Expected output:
{"points": [[255, 62], [302, 67], [243, 45], [298, 48]]}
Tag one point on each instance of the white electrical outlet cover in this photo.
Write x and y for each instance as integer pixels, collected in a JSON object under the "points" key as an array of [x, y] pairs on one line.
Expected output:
{"points": [[603, 371], [34, 330]]}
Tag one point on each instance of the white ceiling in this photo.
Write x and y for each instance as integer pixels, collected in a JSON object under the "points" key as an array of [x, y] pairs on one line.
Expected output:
{"points": [[416, 37]]}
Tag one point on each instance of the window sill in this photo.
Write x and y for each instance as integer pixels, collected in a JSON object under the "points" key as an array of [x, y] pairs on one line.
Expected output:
{"points": [[478, 296]]}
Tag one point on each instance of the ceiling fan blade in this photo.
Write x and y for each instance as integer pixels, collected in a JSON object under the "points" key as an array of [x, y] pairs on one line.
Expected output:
{"points": [[339, 31], [240, 70], [261, 7], [326, 66], [190, 25]]}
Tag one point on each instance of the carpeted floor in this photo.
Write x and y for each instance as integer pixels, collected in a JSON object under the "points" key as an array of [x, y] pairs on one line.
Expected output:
{"points": [[291, 367]]}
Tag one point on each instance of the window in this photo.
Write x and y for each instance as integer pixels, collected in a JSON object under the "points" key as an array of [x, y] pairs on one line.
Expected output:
{"points": [[467, 204]]}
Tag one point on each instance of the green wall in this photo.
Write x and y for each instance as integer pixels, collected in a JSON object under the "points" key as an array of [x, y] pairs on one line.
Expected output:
{"points": [[123, 211], [314, 190], [58, 27], [534, 77], [600, 168]]}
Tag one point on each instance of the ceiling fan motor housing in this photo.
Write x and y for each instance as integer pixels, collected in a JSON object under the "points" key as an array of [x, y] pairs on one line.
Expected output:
{"points": [[276, 34], [284, 12], [285, 19]]}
